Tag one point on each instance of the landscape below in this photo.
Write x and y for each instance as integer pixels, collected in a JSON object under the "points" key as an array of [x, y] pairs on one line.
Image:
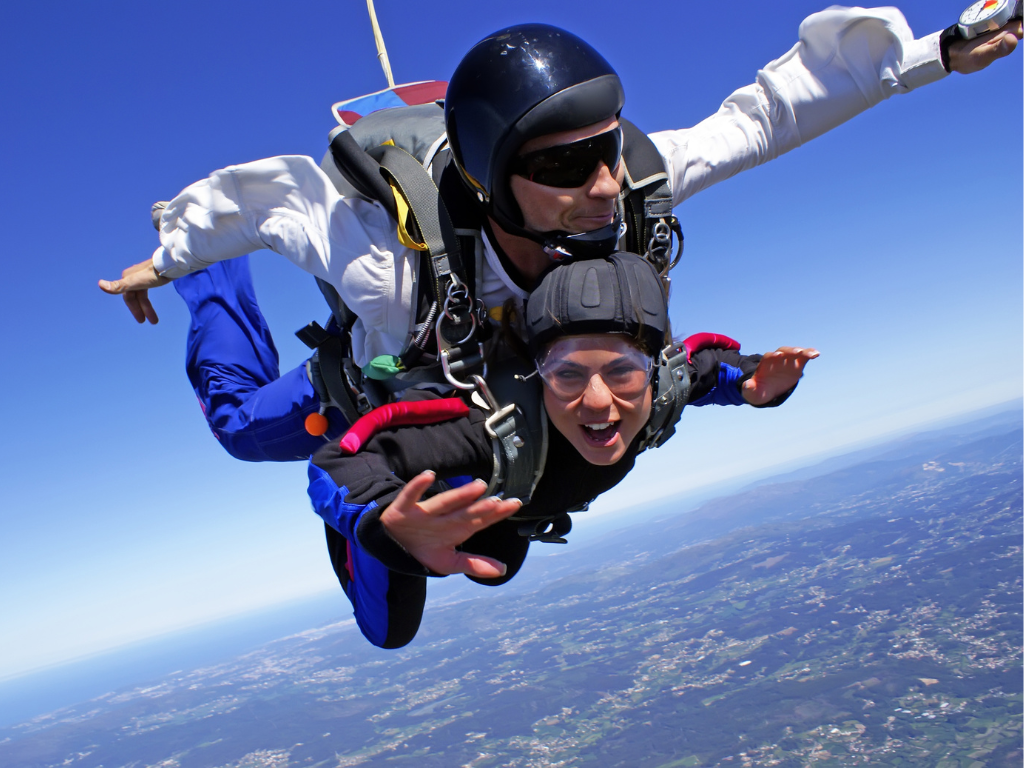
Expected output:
{"points": [[870, 616]]}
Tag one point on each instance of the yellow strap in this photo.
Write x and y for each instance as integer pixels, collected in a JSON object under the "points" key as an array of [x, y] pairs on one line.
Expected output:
{"points": [[402, 208]]}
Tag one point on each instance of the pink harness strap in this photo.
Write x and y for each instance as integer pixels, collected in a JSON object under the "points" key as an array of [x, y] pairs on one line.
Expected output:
{"points": [[400, 415], [700, 341]]}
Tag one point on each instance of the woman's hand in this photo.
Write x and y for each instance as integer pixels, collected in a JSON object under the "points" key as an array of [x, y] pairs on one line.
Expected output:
{"points": [[777, 373], [430, 530], [134, 286]]}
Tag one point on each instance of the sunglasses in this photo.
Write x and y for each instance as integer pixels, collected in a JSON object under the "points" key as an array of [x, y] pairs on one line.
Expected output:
{"points": [[570, 165]]}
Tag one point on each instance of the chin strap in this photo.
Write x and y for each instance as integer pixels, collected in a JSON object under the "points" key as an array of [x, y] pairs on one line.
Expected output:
{"points": [[564, 246], [561, 246]]}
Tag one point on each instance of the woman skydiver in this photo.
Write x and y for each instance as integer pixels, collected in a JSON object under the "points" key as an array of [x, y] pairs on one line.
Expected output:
{"points": [[595, 330]]}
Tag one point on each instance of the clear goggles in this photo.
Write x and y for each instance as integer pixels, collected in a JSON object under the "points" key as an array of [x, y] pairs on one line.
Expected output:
{"points": [[570, 165], [569, 365]]}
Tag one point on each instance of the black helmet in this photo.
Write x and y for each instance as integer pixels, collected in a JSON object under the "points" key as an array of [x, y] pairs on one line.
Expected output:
{"points": [[620, 293], [515, 85]]}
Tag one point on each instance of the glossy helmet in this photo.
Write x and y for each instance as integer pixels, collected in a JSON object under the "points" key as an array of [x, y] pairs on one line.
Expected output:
{"points": [[619, 293], [513, 86]]}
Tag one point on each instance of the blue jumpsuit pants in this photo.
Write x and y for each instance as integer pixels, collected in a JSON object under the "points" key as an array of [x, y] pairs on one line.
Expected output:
{"points": [[259, 415], [232, 364]]}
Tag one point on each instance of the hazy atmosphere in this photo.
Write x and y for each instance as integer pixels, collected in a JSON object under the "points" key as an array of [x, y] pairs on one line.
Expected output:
{"points": [[892, 244]]}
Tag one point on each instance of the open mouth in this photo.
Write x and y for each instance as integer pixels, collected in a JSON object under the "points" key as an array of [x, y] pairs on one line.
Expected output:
{"points": [[602, 434]]}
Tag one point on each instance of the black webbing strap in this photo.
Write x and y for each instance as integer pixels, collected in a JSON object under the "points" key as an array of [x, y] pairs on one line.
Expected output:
{"points": [[518, 430], [515, 451], [643, 160], [650, 197], [672, 392], [362, 171], [428, 212], [331, 356]]}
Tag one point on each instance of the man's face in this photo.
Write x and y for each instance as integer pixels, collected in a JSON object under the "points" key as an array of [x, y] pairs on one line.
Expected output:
{"points": [[574, 210]]}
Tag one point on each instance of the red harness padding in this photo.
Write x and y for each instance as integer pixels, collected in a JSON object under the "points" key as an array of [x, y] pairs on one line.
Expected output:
{"points": [[699, 341], [401, 415]]}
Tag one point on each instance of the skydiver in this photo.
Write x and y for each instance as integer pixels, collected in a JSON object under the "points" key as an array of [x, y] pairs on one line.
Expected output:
{"points": [[595, 329], [846, 61]]}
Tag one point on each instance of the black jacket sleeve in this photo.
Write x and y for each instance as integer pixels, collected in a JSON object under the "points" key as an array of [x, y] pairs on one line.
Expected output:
{"points": [[706, 375], [371, 479]]}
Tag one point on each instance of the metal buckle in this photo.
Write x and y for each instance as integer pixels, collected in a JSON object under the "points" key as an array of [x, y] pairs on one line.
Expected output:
{"points": [[497, 416], [660, 244], [446, 368]]}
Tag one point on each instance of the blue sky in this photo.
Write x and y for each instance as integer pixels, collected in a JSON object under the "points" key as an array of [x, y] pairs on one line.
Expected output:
{"points": [[893, 244]]}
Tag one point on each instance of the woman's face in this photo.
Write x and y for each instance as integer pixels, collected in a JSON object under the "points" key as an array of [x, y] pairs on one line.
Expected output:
{"points": [[597, 393]]}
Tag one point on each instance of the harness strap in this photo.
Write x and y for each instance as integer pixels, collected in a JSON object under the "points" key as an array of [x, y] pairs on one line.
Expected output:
{"points": [[427, 210], [671, 395], [361, 171], [518, 428], [550, 530], [332, 367], [515, 459], [649, 202], [644, 164]]}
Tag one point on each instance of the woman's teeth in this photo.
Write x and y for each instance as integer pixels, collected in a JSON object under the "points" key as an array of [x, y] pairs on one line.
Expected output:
{"points": [[603, 433]]}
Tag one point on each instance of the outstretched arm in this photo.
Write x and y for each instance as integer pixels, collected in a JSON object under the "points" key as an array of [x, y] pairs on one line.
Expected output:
{"points": [[720, 375], [134, 287], [285, 204], [846, 61], [776, 374]]}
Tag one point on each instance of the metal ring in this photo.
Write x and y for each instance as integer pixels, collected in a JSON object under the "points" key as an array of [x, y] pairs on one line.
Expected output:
{"points": [[472, 328], [448, 313]]}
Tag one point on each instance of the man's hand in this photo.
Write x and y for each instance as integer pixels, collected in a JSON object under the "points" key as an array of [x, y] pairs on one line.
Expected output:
{"points": [[134, 285], [777, 373], [430, 530], [967, 56]]}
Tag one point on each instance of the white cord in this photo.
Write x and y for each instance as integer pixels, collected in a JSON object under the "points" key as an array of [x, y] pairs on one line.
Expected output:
{"points": [[382, 53]]}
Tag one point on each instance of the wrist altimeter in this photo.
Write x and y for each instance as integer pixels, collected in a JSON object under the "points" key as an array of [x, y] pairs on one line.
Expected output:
{"points": [[986, 16]]}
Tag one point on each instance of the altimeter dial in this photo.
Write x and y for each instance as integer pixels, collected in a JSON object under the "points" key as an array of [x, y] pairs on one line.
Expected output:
{"points": [[985, 16]]}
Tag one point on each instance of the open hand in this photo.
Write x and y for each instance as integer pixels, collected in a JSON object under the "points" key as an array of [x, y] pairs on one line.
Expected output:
{"points": [[430, 530], [776, 374], [967, 56], [134, 286]]}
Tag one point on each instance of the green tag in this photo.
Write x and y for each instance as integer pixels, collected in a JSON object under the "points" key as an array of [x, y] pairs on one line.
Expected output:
{"points": [[383, 368]]}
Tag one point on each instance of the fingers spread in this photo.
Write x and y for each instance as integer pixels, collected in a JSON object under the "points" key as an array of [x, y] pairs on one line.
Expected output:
{"points": [[413, 491], [487, 512], [147, 307], [454, 500], [131, 300]]}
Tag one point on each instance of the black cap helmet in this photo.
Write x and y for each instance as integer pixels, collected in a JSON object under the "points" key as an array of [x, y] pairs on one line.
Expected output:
{"points": [[620, 293], [513, 86]]}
